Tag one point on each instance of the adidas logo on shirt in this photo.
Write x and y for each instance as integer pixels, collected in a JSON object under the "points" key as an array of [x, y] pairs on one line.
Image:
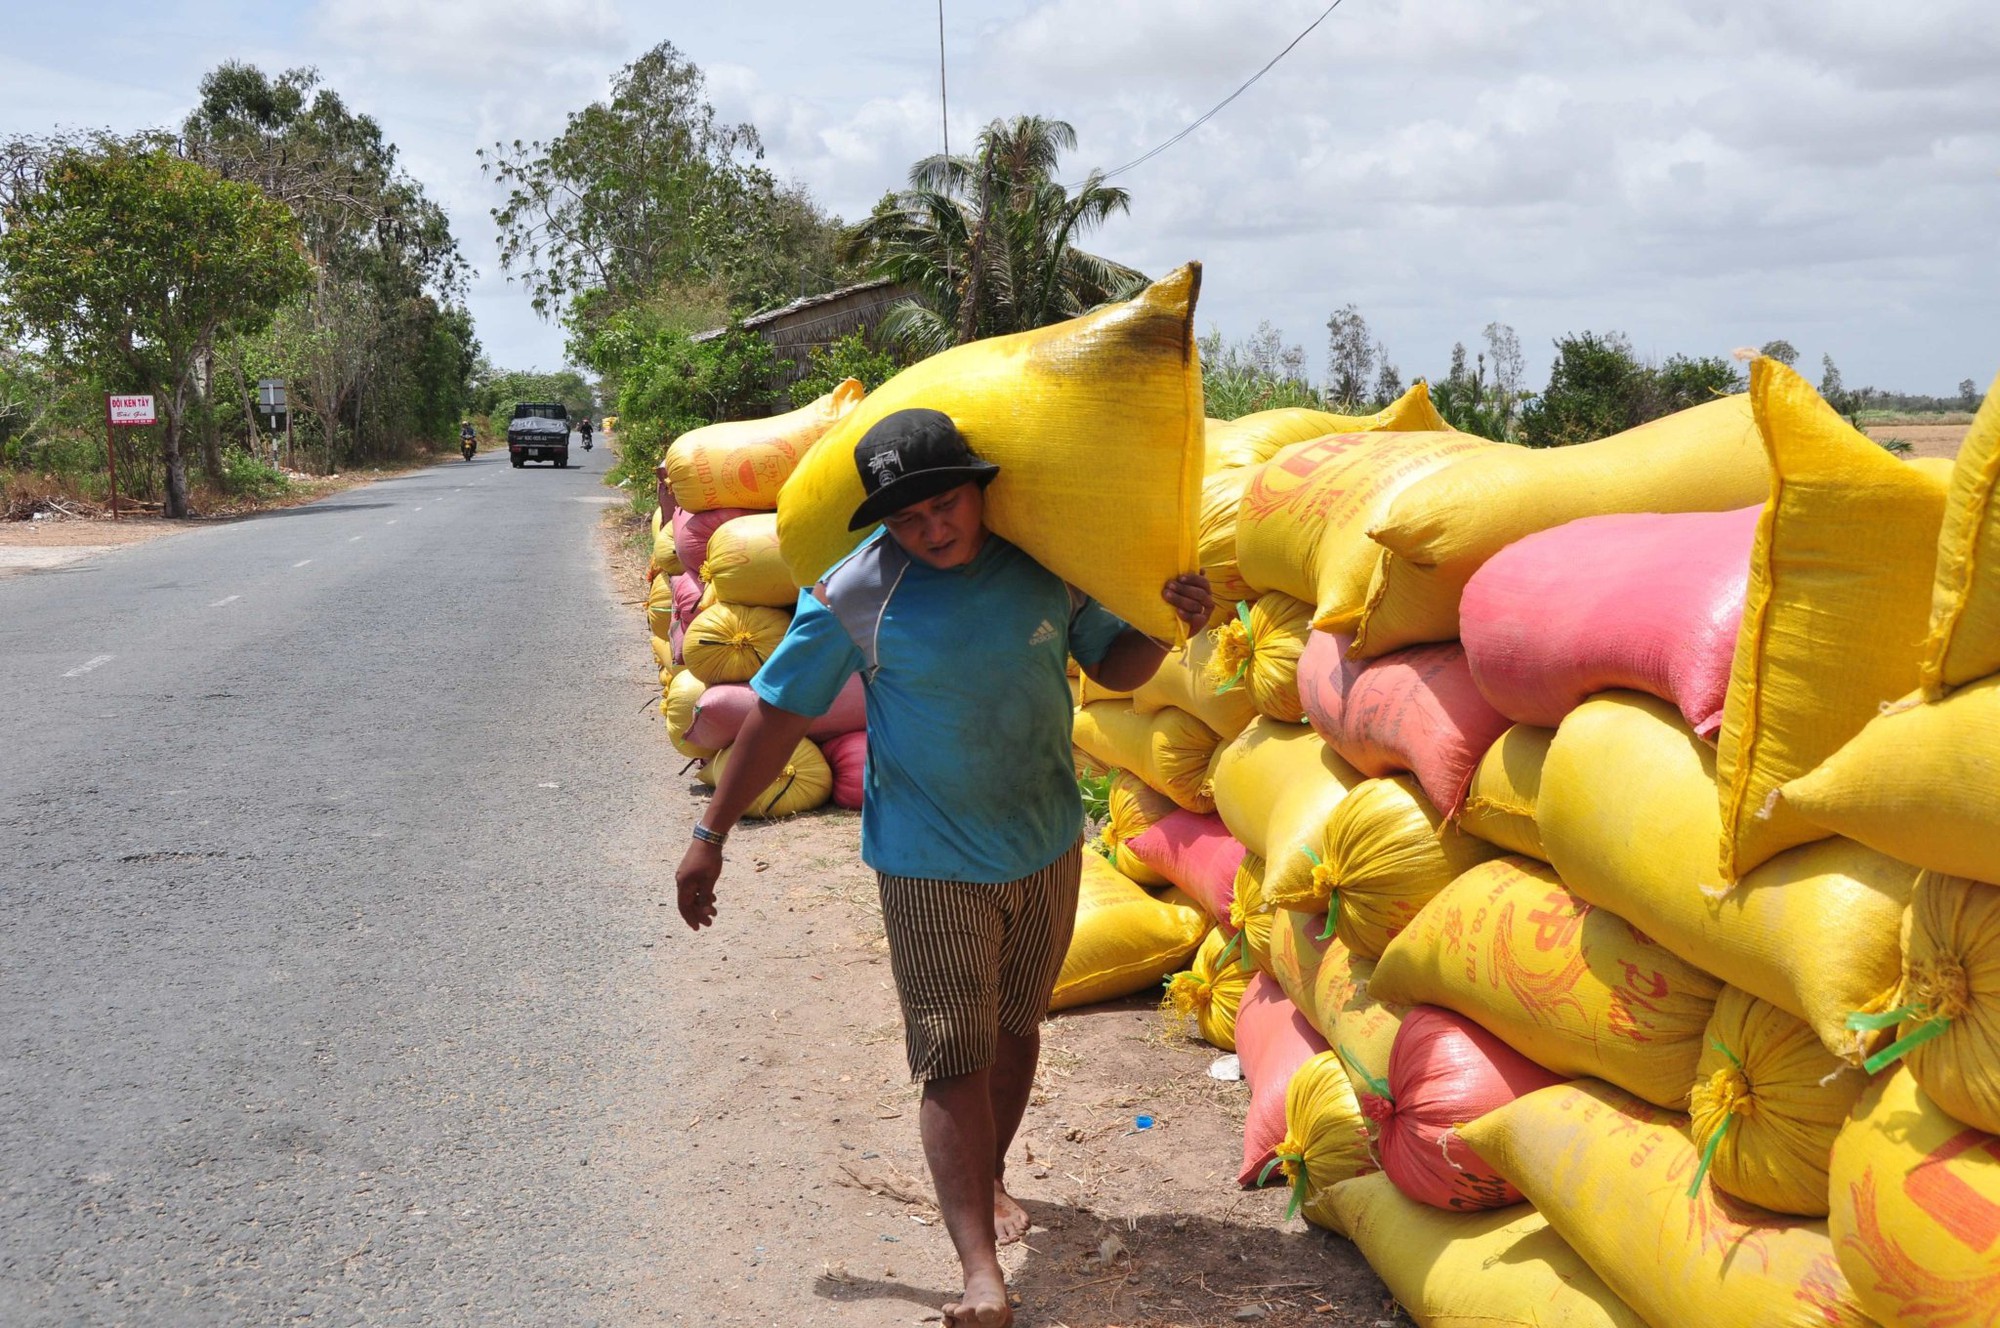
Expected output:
{"points": [[1043, 634]]}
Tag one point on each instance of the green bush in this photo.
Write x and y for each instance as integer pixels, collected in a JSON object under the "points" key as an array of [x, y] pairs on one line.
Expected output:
{"points": [[849, 357], [247, 476]]}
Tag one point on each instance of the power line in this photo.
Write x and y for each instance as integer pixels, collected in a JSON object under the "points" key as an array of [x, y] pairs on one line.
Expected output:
{"points": [[944, 102], [1143, 158]]}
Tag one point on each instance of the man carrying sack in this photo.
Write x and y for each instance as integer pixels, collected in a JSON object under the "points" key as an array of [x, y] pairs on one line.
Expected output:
{"points": [[971, 817]]}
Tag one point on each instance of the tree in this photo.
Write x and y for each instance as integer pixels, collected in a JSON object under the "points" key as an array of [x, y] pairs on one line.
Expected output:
{"points": [[1388, 380], [1596, 387], [1968, 393], [1503, 354], [1829, 378], [1682, 381], [1350, 357], [130, 262], [990, 242], [1784, 352], [1458, 372], [1262, 372]]}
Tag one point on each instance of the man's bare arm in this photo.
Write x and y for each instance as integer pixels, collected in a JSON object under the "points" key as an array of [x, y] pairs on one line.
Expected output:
{"points": [[758, 756]]}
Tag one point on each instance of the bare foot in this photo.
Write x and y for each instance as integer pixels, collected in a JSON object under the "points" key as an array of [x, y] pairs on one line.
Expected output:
{"points": [[984, 1304], [1010, 1220]]}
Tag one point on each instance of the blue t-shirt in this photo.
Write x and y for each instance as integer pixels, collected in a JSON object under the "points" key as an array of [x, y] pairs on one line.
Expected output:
{"points": [[969, 775]]}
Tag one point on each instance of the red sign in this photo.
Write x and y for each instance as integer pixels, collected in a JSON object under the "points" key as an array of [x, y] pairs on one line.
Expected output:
{"points": [[130, 410]]}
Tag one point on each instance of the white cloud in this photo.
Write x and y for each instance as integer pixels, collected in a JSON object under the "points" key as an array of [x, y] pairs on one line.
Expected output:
{"points": [[472, 41]]}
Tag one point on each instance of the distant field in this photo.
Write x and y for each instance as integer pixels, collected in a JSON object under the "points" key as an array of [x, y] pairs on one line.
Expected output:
{"points": [[1925, 440]]}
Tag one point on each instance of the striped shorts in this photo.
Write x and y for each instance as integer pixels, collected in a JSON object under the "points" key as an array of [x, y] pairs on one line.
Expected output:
{"points": [[973, 959]]}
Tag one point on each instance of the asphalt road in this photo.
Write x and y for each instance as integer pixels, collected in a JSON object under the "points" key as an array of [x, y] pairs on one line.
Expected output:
{"points": [[326, 990]]}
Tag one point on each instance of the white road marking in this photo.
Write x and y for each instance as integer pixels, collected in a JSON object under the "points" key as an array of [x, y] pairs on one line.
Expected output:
{"points": [[416, 509], [352, 538], [88, 665], [300, 563], [390, 522], [227, 599]]}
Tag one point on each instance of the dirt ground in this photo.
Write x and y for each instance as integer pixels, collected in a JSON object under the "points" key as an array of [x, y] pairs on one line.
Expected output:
{"points": [[823, 1214], [1925, 440]]}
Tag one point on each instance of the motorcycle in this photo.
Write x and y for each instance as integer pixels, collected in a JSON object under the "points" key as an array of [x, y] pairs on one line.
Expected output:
{"points": [[586, 439], [467, 446]]}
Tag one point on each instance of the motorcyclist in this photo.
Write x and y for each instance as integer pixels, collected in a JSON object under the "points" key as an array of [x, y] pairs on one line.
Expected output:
{"points": [[468, 440], [583, 428]]}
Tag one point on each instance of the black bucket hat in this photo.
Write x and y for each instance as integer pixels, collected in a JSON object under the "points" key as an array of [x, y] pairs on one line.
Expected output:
{"points": [[911, 455]]}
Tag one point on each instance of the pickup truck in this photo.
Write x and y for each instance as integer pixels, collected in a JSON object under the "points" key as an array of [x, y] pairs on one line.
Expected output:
{"points": [[539, 431]]}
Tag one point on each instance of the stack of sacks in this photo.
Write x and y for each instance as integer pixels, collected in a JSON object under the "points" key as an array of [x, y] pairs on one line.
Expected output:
{"points": [[732, 597]]}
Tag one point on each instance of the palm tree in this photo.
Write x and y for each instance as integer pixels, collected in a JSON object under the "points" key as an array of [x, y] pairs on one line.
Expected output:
{"points": [[989, 241]]}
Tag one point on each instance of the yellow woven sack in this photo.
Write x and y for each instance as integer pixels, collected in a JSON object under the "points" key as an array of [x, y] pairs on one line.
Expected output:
{"points": [[1500, 802], [1364, 1026], [745, 463], [1247, 913], [1298, 952], [1947, 1015], [1258, 651], [806, 782], [663, 659], [1502, 1268], [677, 707], [665, 561], [1251, 440], [1169, 749], [1384, 853], [1182, 683], [743, 564], [1768, 1100], [1834, 619], [1133, 808], [1627, 811], [1207, 994], [1125, 940], [1964, 640], [1918, 783], [1096, 426], [1273, 780], [1215, 534], [1302, 527], [1575, 988], [1326, 1138], [1443, 529], [1611, 1175], [730, 642], [660, 607], [1916, 1210]]}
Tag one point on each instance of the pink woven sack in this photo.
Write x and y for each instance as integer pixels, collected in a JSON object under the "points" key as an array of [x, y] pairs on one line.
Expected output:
{"points": [[687, 601], [693, 529], [1416, 710], [1445, 1070], [847, 753], [1273, 1040], [719, 715], [1649, 601], [1195, 852]]}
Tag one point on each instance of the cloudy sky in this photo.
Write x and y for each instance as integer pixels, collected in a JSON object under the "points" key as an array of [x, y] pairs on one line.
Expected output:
{"points": [[1699, 175]]}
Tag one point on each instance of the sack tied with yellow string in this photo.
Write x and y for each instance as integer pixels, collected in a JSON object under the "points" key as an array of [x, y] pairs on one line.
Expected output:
{"points": [[1499, 804], [1627, 812], [1276, 784], [1125, 940], [1272, 1041], [664, 561], [1132, 808], [1182, 683], [1916, 1210], [1207, 994], [1257, 649], [1249, 915], [1768, 1100], [1947, 1013], [1611, 1175], [1502, 1269], [660, 607], [1096, 426], [1918, 783], [745, 463], [744, 566], [1575, 988], [1441, 530], [1326, 1139], [1169, 749], [806, 782], [730, 642], [1835, 615], [1302, 527], [1964, 640], [678, 707], [1382, 855]]}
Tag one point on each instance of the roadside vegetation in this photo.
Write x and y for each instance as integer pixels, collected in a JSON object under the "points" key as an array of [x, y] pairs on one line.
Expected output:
{"points": [[273, 234]]}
